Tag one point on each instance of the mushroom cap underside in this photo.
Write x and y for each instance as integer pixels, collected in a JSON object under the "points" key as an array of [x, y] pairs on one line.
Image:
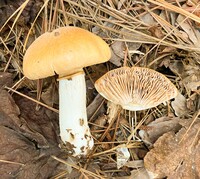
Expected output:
{"points": [[136, 88]]}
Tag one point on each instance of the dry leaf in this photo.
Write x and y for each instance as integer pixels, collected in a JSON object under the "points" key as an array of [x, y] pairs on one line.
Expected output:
{"points": [[113, 111], [156, 31], [140, 173], [118, 48], [123, 156], [188, 70], [99, 124], [93, 107], [179, 105], [8, 7], [148, 19], [159, 127], [193, 103], [174, 155], [192, 82], [24, 145], [50, 95], [5, 79], [193, 34], [27, 139], [134, 164]]}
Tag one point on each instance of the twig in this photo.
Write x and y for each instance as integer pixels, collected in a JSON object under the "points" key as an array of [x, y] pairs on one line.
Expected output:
{"points": [[38, 102]]}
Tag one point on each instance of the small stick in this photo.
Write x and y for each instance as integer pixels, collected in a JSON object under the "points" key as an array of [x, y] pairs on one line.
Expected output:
{"points": [[42, 104]]}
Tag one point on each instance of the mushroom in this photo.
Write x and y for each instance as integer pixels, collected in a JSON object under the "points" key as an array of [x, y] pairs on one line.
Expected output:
{"points": [[65, 51], [135, 88]]}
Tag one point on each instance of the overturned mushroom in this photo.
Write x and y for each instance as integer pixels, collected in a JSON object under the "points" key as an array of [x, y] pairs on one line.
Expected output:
{"points": [[65, 51], [135, 88]]}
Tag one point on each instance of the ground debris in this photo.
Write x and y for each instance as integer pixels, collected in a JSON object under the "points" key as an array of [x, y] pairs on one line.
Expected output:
{"points": [[157, 128], [161, 35], [175, 155], [8, 7], [179, 105], [26, 142]]}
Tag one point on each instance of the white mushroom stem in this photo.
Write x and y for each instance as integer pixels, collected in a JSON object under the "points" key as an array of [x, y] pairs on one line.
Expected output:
{"points": [[73, 122]]}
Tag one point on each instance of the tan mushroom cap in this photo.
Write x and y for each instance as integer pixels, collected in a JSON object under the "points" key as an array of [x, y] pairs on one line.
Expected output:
{"points": [[64, 51], [136, 88]]}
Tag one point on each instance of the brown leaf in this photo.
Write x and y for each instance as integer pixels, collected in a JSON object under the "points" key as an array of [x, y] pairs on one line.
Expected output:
{"points": [[118, 48], [28, 160], [117, 51], [139, 173], [8, 7], [193, 34], [50, 95], [28, 138], [148, 19], [179, 105], [8, 107], [42, 123], [5, 79], [159, 127], [174, 155], [156, 31], [14, 147], [188, 70], [94, 105], [134, 164]]}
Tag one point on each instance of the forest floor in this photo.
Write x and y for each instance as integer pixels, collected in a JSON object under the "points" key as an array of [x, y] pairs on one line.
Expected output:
{"points": [[157, 34]]}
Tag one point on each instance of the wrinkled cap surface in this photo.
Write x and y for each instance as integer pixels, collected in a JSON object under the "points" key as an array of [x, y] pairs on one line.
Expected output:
{"points": [[136, 88], [64, 51]]}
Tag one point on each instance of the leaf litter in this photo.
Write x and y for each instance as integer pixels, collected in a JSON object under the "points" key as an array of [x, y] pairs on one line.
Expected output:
{"points": [[162, 35]]}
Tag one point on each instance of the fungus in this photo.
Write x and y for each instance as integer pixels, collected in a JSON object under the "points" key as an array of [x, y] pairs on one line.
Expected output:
{"points": [[66, 51], [135, 88]]}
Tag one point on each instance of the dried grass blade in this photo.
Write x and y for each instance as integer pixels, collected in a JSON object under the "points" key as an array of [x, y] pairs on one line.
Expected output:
{"points": [[20, 9], [10, 162], [77, 167], [38, 102], [176, 9], [29, 32]]}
